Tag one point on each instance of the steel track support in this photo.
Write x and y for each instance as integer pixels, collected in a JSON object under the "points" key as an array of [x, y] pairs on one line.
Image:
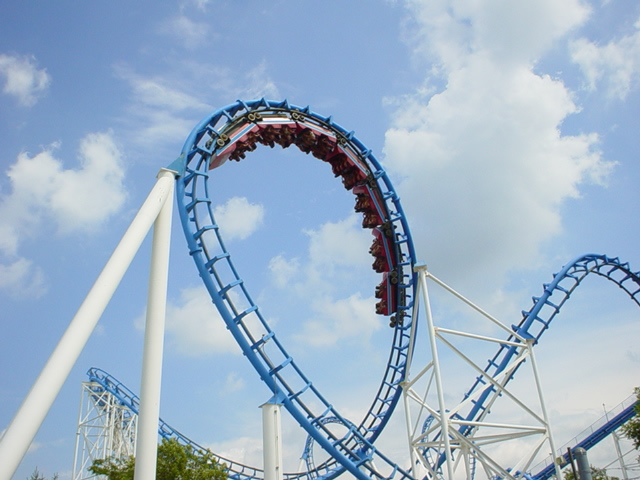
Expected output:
{"points": [[442, 408], [25, 424], [272, 440], [149, 413], [552, 447], [450, 442], [106, 428]]}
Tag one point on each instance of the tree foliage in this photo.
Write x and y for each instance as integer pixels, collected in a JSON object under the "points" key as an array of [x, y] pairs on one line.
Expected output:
{"points": [[36, 475], [175, 462], [596, 474], [631, 429]]}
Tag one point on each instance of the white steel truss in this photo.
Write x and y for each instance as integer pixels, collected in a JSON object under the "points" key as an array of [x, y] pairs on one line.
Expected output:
{"points": [[444, 442], [106, 429], [155, 211]]}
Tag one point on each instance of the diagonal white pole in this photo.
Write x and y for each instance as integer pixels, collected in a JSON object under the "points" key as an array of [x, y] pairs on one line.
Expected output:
{"points": [[149, 414], [444, 416], [24, 426]]}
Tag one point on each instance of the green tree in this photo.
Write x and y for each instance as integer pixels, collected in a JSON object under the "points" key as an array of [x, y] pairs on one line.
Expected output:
{"points": [[596, 474], [631, 429], [36, 475], [175, 462]]}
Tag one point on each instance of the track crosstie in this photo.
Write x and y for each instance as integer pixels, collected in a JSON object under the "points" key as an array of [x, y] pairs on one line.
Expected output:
{"points": [[232, 132], [229, 134]]}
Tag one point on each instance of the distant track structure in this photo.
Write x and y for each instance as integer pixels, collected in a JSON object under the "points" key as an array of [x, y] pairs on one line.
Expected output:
{"points": [[230, 134], [447, 441]]}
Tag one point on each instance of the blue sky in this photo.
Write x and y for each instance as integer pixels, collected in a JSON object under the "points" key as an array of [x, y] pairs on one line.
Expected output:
{"points": [[509, 129]]}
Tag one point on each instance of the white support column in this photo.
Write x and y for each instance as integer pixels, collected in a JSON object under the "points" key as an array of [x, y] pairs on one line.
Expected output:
{"points": [[24, 426], [422, 279], [272, 441], [417, 465], [149, 414], [623, 467], [545, 415]]}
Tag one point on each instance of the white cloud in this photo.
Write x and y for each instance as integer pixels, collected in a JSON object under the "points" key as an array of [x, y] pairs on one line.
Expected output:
{"points": [[238, 218], [616, 64], [449, 31], [244, 450], [157, 92], [233, 383], [22, 279], [163, 108], [195, 325], [191, 34], [325, 280], [259, 84], [337, 251], [484, 166], [341, 243], [23, 79], [75, 200], [283, 270], [338, 320]]}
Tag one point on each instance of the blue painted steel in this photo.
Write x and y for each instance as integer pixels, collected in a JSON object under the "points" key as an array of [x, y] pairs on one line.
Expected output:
{"points": [[536, 321], [355, 450], [127, 398], [592, 440], [276, 367]]}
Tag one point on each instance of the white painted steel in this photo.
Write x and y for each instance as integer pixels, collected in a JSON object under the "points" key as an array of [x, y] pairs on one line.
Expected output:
{"points": [[272, 441], [616, 443], [444, 417], [473, 446], [151, 382], [106, 428], [543, 407], [24, 426]]}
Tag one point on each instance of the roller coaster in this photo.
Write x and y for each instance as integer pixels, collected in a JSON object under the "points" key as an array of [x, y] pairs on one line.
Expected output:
{"points": [[445, 441]]}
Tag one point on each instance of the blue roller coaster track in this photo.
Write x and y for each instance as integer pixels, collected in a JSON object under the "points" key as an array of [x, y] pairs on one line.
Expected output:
{"points": [[237, 129], [230, 133]]}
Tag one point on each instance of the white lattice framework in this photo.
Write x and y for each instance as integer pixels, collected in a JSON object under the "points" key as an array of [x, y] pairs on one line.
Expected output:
{"points": [[106, 428], [443, 445]]}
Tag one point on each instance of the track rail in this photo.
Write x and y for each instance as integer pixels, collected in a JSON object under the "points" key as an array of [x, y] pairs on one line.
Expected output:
{"points": [[536, 321], [229, 134], [232, 132], [598, 432], [130, 400]]}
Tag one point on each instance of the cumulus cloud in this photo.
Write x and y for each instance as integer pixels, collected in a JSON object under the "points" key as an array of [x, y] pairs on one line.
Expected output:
{"points": [[335, 320], [615, 65], [23, 79], [22, 279], [483, 163], [238, 218], [244, 450], [196, 327], [325, 279], [336, 251], [75, 200], [282, 270]]}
